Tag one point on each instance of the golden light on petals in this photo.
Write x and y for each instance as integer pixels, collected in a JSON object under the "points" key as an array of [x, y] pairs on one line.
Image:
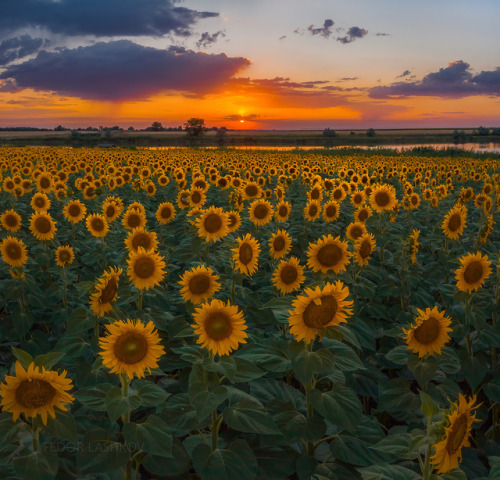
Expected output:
{"points": [[199, 284], [13, 251], [64, 256], [106, 292], [212, 224], [280, 244], [97, 225], [327, 254], [165, 212], [246, 254], [474, 271], [145, 268], [42, 226], [288, 276], [75, 211], [364, 247], [10, 220]]}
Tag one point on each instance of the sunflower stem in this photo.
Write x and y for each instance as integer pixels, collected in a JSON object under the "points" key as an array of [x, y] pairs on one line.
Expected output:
{"points": [[426, 473], [36, 435], [216, 423], [124, 380], [103, 252], [65, 289], [139, 301], [21, 297], [468, 342]]}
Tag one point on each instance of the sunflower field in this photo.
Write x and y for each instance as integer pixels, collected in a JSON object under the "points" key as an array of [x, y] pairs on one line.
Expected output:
{"points": [[229, 314]]}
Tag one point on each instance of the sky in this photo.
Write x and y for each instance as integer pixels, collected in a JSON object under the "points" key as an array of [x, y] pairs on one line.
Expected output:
{"points": [[260, 64]]}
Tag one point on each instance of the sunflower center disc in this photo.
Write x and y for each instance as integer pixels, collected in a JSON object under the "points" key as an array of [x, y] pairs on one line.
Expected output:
{"points": [[245, 254], [64, 256], [283, 211], [473, 272], [232, 220], [288, 274], [40, 202], [337, 194], [365, 249], [196, 197], [279, 244], [166, 212], [199, 284], [44, 182], [356, 232], [34, 393], [218, 326], [313, 210], [331, 211], [317, 316], [382, 199], [144, 267], [130, 348], [213, 223], [428, 331], [329, 255], [357, 199], [457, 434], [14, 252], [98, 225], [141, 240], [110, 211], [11, 220], [42, 225], [134, 220], [261, 211], [73, 210], [454, 222], [251, 190], [109, 291]]}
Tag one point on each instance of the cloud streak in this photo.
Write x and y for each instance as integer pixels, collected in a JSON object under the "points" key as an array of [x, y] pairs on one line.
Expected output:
{"points": [[95, 17], [454, 81], [123, 70], [207, 39], [352, 34], [15, 48]]}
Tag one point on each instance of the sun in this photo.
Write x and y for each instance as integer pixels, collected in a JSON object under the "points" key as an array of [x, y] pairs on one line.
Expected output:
{"points": [[242, 121]]}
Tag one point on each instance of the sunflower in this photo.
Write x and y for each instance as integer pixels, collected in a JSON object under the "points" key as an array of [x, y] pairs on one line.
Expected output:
{"points": [[358, 198], [111, 210], [140, 237], [106, 292], [13, 251], [40, 202], [280, 244], [429, 334], [199, 284], [364, 247], [260, 212], [355, 230], [97, 225], [42, 226], [233, 221], [75, 211], [459, 421], [288, 276], [251, 191], [246, 254], [45, 182], [414, 245], [64, 256], [312, 210], [331, 211], [319, 309], [35, 391], [133, 218], [328, 254], [145, 268], [338, 194], [454, 222], [282, 212], [11, 220], [362, 214], [220, 327], [383, 197], [197, 197], [165, 212], [212, 224], [131, 348], [474, 271]]}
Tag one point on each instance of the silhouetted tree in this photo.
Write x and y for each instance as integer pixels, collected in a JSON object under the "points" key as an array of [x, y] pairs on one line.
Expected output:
{"points": [[328, 132], [370, 132], [195, 127]]}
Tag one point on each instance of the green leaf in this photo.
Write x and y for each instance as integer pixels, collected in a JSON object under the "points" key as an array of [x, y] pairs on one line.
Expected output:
{"points": [[275, 463], [424, 369], [149, 393], [62, 427], [399, 355], [178, 465], [397, 445], [48, 360], [271, 355], [494, 468], [249, 418], [429, 407], [354, 451], [180, 415], [474, 369], [94, 397], [118, 405], [345, 358], [236, 462], [388, 472], [24, 358], [306, 364], [37, 465], [396, 398], [267, 389], [149, 436], [455, 474], [340, 406]]}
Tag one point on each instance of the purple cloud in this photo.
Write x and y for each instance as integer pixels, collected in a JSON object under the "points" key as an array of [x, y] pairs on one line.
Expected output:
{"points": [[454, 81], [352, 34], [123, 70]]}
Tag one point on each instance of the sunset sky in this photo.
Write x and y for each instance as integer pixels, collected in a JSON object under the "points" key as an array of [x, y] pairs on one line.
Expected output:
{"points": [[260, 64]]}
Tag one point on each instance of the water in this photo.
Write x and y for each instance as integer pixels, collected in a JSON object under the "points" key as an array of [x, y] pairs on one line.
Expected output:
{"points": [[490, 147]]}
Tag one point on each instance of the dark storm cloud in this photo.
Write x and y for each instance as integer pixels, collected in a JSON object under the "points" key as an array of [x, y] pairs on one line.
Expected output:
{"points": [[324, 31], [19, 47], [404, 74], [95, 17], [123, 70], [352, 34], [9, 86], [453, 81], [207, 39]]}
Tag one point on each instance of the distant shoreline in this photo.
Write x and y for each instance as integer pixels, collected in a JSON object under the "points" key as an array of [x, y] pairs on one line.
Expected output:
{"points": [[267, 138]]}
